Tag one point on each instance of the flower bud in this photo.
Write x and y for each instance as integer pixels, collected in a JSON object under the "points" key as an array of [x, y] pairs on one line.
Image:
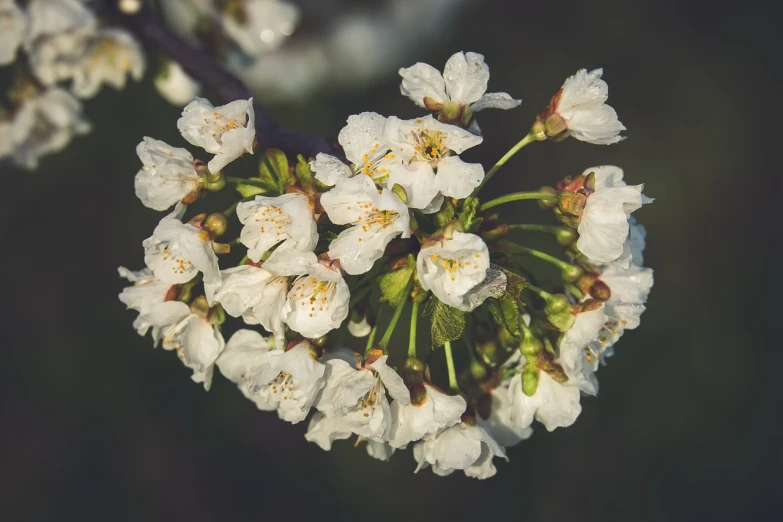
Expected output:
{"points": [[600, 291], [571, 273], [530, 345], [399, 190], [566, 236], [216, 224], [557, 303], [530, 380], [571, 203], [547, 203]]}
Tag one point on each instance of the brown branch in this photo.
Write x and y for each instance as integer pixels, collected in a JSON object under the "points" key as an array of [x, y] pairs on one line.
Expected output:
{"points": [[157, 37]]}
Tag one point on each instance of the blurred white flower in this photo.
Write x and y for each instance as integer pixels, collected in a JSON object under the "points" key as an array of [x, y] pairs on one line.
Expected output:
{"points": [[13, 28], [227, 131], [45, 124], [177, 251], [174, 84], [451, 268], [260, 26], [461, 447], [56, 18], [111, 57], [286, 219], [167, 174], [377, 218]]}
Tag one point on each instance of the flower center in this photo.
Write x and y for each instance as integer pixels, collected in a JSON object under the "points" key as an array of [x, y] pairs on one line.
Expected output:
{"points": [[273, 221], [179, 265], [375, 161], [454, 266], [312, 293], [370, 400], [429, 144]]}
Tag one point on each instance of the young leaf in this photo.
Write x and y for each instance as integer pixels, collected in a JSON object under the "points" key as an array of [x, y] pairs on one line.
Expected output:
{"points": [[273, 170], [505, 313], [251, 190], [394, 283], [448, 324]]}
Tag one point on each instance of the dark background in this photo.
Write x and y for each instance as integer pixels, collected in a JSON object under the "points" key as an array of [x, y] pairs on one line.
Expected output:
{"points": [[95, 425]]}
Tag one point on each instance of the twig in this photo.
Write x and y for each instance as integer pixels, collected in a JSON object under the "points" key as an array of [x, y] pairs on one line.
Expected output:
{"points": [[157, 37]]}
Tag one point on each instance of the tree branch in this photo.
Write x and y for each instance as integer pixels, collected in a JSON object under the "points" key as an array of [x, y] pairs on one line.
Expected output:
{"points": [[157, 37]]}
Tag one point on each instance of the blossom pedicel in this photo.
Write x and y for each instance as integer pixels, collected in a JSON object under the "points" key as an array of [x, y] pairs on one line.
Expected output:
{"points": [[395, 231]]}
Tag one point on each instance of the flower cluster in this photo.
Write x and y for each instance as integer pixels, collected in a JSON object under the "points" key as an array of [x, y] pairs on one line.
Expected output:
{"points": [[345, 245], [63, 42]]}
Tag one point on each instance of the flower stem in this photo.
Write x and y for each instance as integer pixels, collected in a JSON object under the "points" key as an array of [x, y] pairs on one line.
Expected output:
{"points": [[371, 337], [516, 196], [517, 249], [544, 295], [412, 336], [551, 229], [530, 138], [450, 367], [384, 342], [245, 181]]}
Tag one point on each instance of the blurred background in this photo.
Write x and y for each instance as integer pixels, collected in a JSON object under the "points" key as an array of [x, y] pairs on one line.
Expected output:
{"points": [[95, 425]]}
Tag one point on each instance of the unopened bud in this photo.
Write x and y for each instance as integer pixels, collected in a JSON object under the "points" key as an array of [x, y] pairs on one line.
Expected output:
{"points": [[530, 380], [601, 291], [562, 320], [557, 303], [216, 224], [530, 345], [571, 203], [549, 202], [566, 236], [571, 273]]}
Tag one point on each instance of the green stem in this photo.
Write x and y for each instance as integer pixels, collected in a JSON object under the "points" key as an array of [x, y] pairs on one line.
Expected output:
{"points": [[371, 337], [412, 336], [530, 138], [516, 196], [517, 249], [245, 181], [544, 295], [384, 342], [450, 367], [551, 229]]}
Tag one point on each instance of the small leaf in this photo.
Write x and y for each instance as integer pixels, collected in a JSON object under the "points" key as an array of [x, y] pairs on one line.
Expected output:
{"points": [[446, 213], [467, 215], [505, 313], [304, 174], [448, 324], [515, 284], [273, 170], [250, 190], [393, 285]]}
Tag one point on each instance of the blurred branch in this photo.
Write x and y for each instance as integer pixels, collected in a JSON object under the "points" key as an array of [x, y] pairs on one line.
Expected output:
{"points": [[158, 37]]}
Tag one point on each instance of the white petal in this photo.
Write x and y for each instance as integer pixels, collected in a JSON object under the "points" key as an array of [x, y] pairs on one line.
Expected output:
{"points": [[495, 100], [360, 134], [329, 169], [324, 431], [457, 179], [466, 76], [422, 80]]}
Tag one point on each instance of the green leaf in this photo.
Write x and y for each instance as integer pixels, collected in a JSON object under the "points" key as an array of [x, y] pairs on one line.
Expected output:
{"points": [[448, 324], [393, 285], [467, 215], [446, 213], [273, 170], [251, 190], [515, 283], [505, 313], [303, 173]]}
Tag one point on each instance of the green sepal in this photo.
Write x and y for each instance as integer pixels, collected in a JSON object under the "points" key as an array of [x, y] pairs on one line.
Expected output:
{"points": [[247, 191], [448, 324], [467, 216], [505, 313], [273, 170], [446, 213], [304, 174], [530, 380]]}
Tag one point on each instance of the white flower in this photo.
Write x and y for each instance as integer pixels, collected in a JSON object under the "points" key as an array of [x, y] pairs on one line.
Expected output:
{"points": [[498, 422], [254, 294], [361, 140], [13, 28], [554, 405], [430, 148], [288, 381], [111, 56], [317, 303], [227, 131], [358, 396], [167, 174], [463, 82], [261, 25], [174, 84], [460, 447], [177, 251], [582, 105], [451, 268], [198, 343], [578, 355], [630, 289], [633, 248], [377, 218], [271, 220], [56, 17], [433, 412], [603, 227], [46, 124], [148, 296]]}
